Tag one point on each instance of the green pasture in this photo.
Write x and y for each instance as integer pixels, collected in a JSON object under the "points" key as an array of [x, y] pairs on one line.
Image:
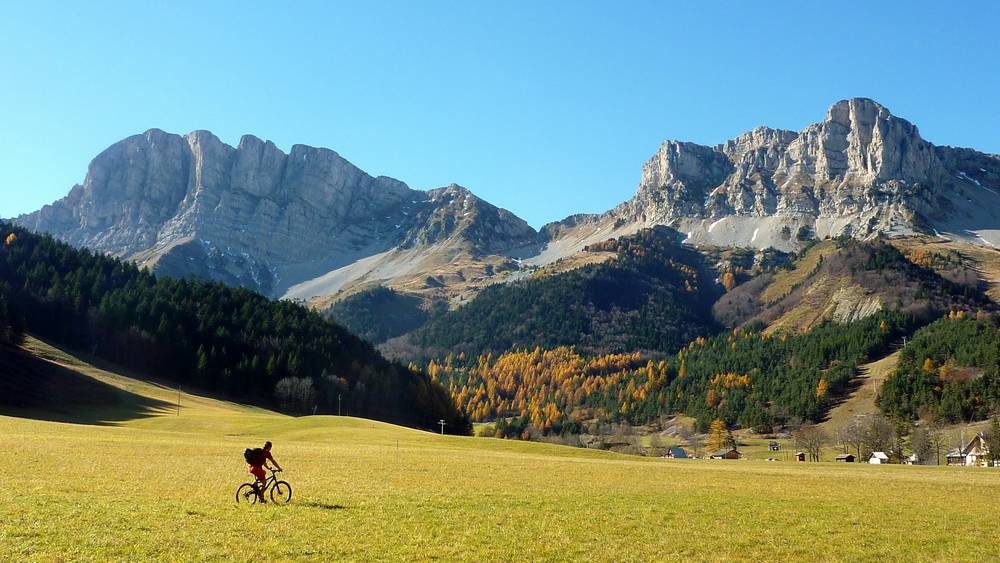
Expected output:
{"points": [[151, 484]]}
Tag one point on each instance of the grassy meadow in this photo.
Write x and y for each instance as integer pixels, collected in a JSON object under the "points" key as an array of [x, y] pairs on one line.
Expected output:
{"points": [[146, 483]]}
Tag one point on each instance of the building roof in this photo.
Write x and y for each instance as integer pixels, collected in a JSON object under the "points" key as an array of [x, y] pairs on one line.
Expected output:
{"points": [[973, 442], [879, 455], [677, 451], [721, 453], [844, 456]]}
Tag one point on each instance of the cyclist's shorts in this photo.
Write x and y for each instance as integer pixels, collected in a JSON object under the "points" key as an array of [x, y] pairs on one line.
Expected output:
{"points": [[257, 472]]}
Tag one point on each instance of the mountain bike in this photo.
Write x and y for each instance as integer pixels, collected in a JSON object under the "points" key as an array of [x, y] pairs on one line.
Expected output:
{"points": [[281, 491]]}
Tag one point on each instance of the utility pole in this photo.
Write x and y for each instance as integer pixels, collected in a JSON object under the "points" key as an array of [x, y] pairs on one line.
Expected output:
{"points": [[338, 404], [442, 423]]}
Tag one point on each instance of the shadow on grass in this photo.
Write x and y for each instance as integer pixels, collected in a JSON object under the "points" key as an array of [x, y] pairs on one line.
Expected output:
{"points": [[324, 505], [31, 387]]}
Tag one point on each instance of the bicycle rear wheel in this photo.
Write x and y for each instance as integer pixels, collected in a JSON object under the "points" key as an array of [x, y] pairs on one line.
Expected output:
{"points": [[281, 493], [246, 494]]}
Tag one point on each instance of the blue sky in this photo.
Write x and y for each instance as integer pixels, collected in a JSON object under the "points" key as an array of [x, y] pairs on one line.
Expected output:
{"points": [[546, 108]]}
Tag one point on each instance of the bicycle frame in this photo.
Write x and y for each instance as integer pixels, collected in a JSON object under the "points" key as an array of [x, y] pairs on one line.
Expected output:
{"points": [[267, 483]]}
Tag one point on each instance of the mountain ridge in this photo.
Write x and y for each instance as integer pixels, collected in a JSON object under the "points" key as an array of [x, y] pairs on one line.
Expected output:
{"points": [[254, 216], [310, 225]]}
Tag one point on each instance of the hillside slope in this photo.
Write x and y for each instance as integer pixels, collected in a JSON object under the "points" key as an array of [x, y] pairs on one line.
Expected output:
{"points": [[230, 341], [654, 296], [278, 223], [844, 280], [309, 225], [369, 490]]}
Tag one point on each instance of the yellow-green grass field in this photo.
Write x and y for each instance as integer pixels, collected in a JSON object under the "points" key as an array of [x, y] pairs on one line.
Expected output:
{"points": [[161, 486]]}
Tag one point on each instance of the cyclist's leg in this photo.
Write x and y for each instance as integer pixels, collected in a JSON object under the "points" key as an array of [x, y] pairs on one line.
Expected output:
{"points": [[260, 490]]}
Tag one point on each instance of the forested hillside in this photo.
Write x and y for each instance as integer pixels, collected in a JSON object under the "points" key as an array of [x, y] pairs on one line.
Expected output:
{"points": [[950, 370], [745, 377], [379, 313], [655, 295], [844, 280], [208, 336]]}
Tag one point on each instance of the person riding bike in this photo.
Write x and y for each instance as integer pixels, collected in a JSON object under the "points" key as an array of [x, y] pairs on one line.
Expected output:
{"points": [[257, 468]]}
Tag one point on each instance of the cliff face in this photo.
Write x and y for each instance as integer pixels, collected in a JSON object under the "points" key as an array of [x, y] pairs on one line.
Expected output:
{"points": [[308, 223], [254, 216], [860, 172]]}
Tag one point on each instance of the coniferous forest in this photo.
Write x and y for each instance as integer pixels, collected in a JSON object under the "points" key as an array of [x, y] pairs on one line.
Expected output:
{"points": [[949, 371], [207, 336], [744, 377], [655, 295]]}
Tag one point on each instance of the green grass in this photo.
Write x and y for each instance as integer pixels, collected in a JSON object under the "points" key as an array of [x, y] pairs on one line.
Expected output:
{"points": [[161, 487]]}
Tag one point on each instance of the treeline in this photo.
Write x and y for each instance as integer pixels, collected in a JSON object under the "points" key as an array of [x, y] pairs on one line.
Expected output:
{"points": [[745, 378], [655, 295], [209, 336], [11, 329], [949, 371]]}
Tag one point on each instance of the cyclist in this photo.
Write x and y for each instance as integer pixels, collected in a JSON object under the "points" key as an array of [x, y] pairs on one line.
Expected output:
{"points": [[257, 470]]}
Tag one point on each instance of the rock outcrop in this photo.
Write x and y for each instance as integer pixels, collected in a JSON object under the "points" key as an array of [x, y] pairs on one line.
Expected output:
{"points": [[254, 216], [309, 223], [861, 172]]}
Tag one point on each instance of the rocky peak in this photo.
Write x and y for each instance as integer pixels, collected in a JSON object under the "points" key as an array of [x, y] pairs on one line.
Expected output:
{"points": [[255, 216], [861, 139], [861, 171]]}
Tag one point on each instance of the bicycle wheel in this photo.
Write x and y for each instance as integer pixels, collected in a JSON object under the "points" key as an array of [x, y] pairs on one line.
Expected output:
{"points": [[246, 494], [281, 493]]}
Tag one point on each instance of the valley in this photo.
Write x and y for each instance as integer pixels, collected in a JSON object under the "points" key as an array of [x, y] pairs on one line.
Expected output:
{"points": [[366, 490]]}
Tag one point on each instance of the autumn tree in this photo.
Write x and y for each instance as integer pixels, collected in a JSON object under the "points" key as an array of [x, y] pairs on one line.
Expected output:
{"points": [[719, 436], [853, 436], [728, 281], [810, 439], [821, 388]]}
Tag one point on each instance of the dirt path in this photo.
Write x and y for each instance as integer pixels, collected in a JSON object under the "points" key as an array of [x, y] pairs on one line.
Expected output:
{"points": [[862, 399]]}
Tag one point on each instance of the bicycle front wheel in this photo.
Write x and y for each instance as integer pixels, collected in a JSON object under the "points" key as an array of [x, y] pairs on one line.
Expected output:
{"points": [[246, 494], [281, 493]]}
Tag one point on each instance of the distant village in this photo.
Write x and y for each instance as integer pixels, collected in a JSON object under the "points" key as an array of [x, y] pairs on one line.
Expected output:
{"points": [[975, 453]]}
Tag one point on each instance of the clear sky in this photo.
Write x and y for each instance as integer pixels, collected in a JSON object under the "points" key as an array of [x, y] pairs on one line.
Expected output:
{"points": [[546, 108]]}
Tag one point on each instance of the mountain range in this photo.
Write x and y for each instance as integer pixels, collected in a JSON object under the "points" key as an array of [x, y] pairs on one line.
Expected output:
{"points": [[309, 225]]}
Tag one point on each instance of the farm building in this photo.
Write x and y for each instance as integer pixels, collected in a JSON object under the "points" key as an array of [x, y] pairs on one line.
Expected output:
{"points": [[845, 458], [800, 456], [911, 459], [677, 452], [975, 453], [774, 447], [955, 458], [728, 453], [878, 458]]}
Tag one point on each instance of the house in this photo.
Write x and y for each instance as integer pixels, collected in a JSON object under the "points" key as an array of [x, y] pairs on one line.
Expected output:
{"points": [[800, 456], [975, 454], [728, 453], [774, 447], [845, 458], [677, 452], [911, 459], [878, 458], [955, 458]]}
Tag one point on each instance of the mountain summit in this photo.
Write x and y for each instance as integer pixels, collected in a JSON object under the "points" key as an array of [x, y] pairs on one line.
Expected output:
{"points": [[254, 216], [309, 224], [860, 172]]}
